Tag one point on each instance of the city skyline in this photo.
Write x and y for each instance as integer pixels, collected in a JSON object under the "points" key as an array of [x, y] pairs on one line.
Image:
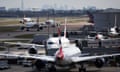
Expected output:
{"points": [[61, 4]]}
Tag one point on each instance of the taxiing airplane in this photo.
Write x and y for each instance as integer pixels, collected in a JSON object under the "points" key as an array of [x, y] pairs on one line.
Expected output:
{"points": [[26, 19], [66, 57], [29, 23]]}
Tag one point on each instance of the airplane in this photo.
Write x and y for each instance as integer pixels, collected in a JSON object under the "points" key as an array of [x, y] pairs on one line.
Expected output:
{"points": [[91, 17], [96, 36], [114, 31], [51, 22], [26, 19], [29, 23], [51, 43], [65, 58]]}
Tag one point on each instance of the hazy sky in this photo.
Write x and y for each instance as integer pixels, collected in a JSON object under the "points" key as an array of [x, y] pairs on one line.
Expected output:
{"points": [[68, 4]]}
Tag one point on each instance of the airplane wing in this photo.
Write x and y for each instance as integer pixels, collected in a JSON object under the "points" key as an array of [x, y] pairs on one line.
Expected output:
{"points": [[24, 45], [40, 57], [87, 58]]}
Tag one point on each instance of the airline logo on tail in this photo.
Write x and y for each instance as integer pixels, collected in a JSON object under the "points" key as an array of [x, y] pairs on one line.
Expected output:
{"points": [[60, 54]]}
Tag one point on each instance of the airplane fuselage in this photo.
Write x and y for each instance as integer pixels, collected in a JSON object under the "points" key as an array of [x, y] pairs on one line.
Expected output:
{"points": [[66, 62]]}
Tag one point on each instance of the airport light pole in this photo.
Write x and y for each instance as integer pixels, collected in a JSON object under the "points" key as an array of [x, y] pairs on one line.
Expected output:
{"points": [[48, 24], [22, 5]]}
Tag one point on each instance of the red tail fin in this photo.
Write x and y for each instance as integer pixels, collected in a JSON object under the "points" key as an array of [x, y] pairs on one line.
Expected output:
{"points": [[60, 54]]}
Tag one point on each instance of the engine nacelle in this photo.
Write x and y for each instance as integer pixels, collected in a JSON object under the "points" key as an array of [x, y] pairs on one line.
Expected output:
{"points": [[79, 44], [32, 51], [39, 64], [99, 62]]}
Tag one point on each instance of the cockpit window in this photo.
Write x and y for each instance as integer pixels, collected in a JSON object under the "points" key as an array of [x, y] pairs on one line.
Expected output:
{"points": [[50, 42]]}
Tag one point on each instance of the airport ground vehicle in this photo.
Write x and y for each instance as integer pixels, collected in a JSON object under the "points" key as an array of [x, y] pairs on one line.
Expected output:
{"points": [[4, 64], [27, 63]]}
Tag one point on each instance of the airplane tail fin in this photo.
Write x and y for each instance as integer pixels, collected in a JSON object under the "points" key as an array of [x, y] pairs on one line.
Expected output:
{"points": [[91, 17], [60, 54], [65, 30], [115, 25], [59, 31], [37, 20]]}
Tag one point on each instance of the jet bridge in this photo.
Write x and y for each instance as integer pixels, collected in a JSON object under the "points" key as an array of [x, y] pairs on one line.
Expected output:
{"points": [[99, 46], [95, 43]]}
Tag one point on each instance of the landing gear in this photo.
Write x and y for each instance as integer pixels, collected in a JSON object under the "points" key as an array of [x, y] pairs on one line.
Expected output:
{"points": [[27, 29], [39, 28], [22, 28], [51, 69], [82, 68]]}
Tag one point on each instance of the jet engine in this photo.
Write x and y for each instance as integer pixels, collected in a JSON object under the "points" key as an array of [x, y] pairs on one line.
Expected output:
{"points": [[99, 62], [78, 44], [39, 64], [32, 51]]}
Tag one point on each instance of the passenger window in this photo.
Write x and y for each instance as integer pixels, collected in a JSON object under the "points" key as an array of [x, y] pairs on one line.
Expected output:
{"points": [[50, 42]]}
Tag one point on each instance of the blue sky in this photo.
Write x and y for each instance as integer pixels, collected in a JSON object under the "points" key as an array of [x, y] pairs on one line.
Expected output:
{"points": [[68, 4]]}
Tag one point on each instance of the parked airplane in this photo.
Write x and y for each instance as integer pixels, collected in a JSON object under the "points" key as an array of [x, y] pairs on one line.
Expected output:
{"points": [[96, 35], [66, 57], [51, 43], [114, 31]]}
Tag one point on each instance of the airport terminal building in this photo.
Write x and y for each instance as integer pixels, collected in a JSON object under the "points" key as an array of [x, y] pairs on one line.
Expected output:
{"points": [[104, 20]]}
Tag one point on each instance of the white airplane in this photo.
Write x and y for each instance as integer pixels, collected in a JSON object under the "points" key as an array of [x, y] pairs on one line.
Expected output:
{"points": [[29, 23], [97, 36], [114, 31], [51, 23], [65, 58], [26, 19], [51, 43], [100, 36]]}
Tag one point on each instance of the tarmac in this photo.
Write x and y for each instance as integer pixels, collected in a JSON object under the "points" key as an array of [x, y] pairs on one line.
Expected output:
{"points": [[20, 68]]}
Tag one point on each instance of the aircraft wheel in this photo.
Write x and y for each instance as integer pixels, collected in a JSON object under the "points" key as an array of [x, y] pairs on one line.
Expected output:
{"points": [[52, 69], [38, 29], [82, 68], [22, 28], [27, 29], [41, 28]]}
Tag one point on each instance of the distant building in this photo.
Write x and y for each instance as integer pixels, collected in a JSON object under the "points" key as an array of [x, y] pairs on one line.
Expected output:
{"points": [[2, 8], [104, 20], [14, 9]]}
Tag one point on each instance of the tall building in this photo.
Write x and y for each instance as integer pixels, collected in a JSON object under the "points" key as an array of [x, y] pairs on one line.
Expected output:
{"points": [[104, 20]]}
